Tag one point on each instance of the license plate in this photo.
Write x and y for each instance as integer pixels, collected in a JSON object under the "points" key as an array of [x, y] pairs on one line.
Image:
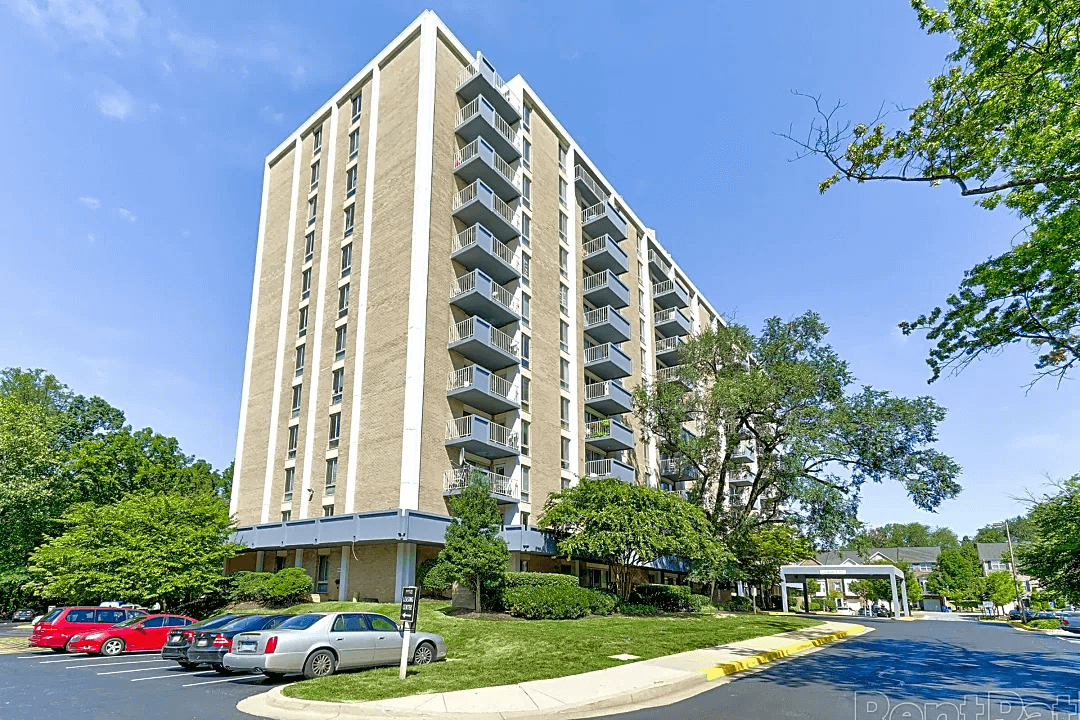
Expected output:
{"points": [[247, 646]]}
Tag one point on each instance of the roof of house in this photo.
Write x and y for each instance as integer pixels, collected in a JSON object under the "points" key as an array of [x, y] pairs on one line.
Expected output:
{"points": [[991, 551], [910, 554]]}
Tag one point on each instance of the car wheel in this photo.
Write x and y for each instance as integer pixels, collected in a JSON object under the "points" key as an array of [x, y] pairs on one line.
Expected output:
{"points": [[221, 670], [188, 665], [274, 676], [320, 664], [112, 647], [424, 654]]}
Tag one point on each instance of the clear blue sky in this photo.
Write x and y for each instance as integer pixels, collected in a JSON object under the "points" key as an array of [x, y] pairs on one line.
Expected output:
{"points": [[135, 137]]}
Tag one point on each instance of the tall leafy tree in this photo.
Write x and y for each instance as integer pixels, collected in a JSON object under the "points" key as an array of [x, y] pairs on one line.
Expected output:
{"points": [[764, 551], [1021, 528], [955, 574], [1000, 125], [816, 437], [1053, 555], [473, 552], [623, 525], [913, 534], [1001, 589], [147, 548]]}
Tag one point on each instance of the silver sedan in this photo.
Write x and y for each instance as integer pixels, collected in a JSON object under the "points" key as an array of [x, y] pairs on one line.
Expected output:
{"points": [[319, 644]]}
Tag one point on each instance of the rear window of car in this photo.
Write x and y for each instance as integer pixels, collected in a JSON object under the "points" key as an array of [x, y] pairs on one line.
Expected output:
{"points": [[251, 622], [53, 615], [136, 613], [273, 622], [178, 622], [109, 616], [80, 616], [300, 622], [211, 623]]}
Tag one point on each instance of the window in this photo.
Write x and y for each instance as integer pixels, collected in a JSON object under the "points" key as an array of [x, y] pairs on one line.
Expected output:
{"points": [[346, 260], [524, 484], [562, 158], [350, 219], [565, 453], [290, 475], [338, 384], [564, 413], [526, 118], [312, 210], [641, 329], [279, 561], [562, 192], [565, 484], [302, 322], [640, 274], [526, 154], [297, 394], [305, 284], [525, 342], [526, 191], [339, 342], [378, 622], [322, 577], [299, 361], [564, 336], [350, 182], [525, 394], [564, 262], [525, 438], [563, 224], [526, 261], [331, 476], [643, 363], [641, 301], [343, 301], [327, 511], [314, 174], [294, 437], [564, 299], [525, 522], [335, 429], [309, 246], [286, 516], [317, 140], [356, 108], [564, 373], [525, 309], [354, 144], [526, 229]]}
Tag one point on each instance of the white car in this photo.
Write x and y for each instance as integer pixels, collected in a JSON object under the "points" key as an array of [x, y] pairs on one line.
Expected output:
{"points": [[320, 644]]}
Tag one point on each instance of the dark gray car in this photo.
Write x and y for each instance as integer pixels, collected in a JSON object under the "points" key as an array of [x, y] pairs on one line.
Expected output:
{"points": [[210, 644]]}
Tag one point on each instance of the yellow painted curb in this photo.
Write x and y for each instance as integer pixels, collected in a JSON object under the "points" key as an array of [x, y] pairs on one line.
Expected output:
{"points": [[730, 668]]}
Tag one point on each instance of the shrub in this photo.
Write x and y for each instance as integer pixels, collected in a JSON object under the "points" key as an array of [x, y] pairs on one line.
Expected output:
{"points": [[556, 602], [536, 579], [433, 575], [287, 587], [638, 610], [667, 598], [739, 604], [248, 586], [1044, 624], [817, 604], [700, 602]]}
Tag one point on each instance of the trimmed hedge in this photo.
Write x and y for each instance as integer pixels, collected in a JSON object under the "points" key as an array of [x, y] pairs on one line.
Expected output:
{"points": [[666, 598], [281, 589], [739, 604], [700, 602], [556, 602], [537, 579]]}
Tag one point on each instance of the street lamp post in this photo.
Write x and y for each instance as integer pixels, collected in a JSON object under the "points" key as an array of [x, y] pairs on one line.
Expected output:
{"points": [[1012, 563]]}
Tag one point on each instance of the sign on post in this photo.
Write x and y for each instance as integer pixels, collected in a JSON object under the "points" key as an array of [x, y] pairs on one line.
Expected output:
{"points": [[409, 597]]}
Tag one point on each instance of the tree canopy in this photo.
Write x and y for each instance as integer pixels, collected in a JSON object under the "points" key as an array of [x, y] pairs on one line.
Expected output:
{"points": [[956, 574], [815, 436], [1000, 125], [1021, 528], [912, 534], [1053, 554]]}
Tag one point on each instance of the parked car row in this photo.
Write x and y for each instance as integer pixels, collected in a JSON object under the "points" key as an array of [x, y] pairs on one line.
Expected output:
{"points": [[311, 644]]}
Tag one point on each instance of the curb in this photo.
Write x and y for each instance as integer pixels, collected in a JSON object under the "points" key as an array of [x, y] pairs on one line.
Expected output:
{"points": [[731, 668]]}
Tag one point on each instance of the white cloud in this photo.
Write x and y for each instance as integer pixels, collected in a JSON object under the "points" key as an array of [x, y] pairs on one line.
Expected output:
{"points": [[91, 238], [91, 202], [96, 22], [126, 214], [116, 103]]}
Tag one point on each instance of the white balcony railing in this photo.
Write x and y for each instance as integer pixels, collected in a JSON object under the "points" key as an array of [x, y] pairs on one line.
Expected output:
{"points": [[593, 212], [458, 479], [597, 390], [471, 109], [588, 247], [502, 435], [595, 317], [468, 237], [670, 344], [658, 259], [459, 427], [595, 281], [473, 149], [597, 429], [468, 282], [461, 285], [586, 180], [497, 385], [459, 378], [471, 192], [504, 297], [669, 374], [598, 352], [466, 329], [503, 341], [665, 286], [670, 466], [502, 387], [663, 316], [598, 468], [472, 69]]}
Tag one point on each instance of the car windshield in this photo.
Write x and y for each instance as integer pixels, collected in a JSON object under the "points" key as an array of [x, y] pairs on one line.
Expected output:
{"points": [[129, 622], [300, 622], [213, 622], [250, 622], [53, 615]]}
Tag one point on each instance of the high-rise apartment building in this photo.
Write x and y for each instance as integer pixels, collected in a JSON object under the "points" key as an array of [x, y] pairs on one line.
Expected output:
{"points": [[444, 282]]}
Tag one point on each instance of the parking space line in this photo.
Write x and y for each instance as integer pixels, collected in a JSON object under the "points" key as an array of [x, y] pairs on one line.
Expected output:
{"points": [[33, 657], [67, 660], [211, 682], [174, 674], [118, 672], [123, 662]]}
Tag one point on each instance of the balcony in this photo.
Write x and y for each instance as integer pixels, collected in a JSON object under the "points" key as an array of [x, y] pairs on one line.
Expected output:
{"points": [[604, 288], [603, 253], [671, 374], [479, 119], [667, 349], [478, 203], [610, 468], [608, 398], [670, 294], [482, 437], [743, 453], [609, 434], [476, 247], [501, 487], [658, 266], [482, 389], [671, 323], [479, 78], [484, 344], [671, 468], [603, 219], [588, 187], [477, 294], [607, 362], [479, 161], [606, 325], [740, 478]]}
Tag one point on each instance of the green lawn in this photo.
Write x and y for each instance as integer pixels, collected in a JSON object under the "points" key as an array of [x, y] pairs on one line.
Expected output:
{"points": [[501, 652]]}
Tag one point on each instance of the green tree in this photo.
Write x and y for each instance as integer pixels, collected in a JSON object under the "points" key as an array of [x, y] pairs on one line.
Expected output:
{"points": [[146, 548], [1021, 528], [624, 525], [765, 550], [1000, 126], [788, 398], [913, 534], [881, 589], [1001, 589], [1053, 555], [473, 552], [715, 564], [955, 574]]}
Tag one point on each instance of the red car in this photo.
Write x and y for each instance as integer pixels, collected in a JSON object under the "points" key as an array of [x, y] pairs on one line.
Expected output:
{"points": [[138, 633], [55, 629]]}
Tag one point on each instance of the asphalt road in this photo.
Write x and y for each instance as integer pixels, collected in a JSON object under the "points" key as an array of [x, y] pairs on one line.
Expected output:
{"points": [[899, 672]]}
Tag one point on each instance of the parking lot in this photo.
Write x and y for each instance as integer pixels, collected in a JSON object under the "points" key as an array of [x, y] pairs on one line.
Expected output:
{"points": [[36, 685]]}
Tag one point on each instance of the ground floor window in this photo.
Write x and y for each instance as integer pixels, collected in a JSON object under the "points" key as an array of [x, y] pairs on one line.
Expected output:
{"points": [[322, 581]]}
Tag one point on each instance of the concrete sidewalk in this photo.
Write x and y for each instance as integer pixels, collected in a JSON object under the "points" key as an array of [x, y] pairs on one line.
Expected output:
{"points": [[601, 691]]}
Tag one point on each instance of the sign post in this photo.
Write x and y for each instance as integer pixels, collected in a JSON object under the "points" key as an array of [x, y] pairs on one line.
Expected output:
{"points": [[409, 596]]}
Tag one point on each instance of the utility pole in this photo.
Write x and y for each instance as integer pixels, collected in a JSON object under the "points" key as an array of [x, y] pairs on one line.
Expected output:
{"points": [[1012, 564]]}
